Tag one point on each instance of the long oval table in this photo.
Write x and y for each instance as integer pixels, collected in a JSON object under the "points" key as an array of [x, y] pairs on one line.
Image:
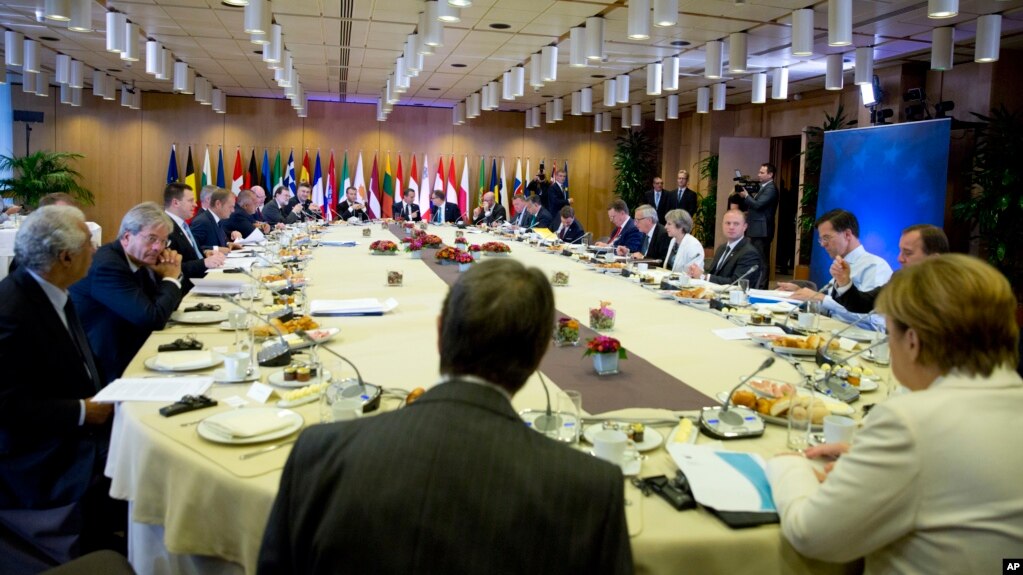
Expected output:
{"points": [[197, 508]]}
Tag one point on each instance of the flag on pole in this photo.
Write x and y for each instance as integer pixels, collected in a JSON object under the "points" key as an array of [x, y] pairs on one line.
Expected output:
{"points": [[190, 170], [495, 184], [529, 174], [289, 173], [277, 176], [482, 187], [374, 191], [463, 188], [452, 192], [172, 166], [236, 179], [266, 176], [331, 207], [413, 183], [566, 179], [252, 176], [399, 191], [318, 196], [517, 185], [504, 185], [305, 173], [346, 180], [207, 172], [359, 182], [424, 189], [387, 207], [438, 178], [220, 168]]}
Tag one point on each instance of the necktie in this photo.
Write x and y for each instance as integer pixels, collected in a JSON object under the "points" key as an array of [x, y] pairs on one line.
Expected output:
{"points": [[657, 199], [679, 200], [646, 244], [724, 257], [408, 212], [564, 230], [614, 236], [81, 342], [191, 238]]}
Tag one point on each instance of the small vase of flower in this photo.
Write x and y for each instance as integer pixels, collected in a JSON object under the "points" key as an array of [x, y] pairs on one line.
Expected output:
{"points": [[414, 247], [464, 260], [606, 352], [602, 318], [566, 332]]}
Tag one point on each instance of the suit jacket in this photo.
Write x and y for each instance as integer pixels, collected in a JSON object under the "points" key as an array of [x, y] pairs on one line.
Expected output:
{"points": [[572, 234], [498, 214], [207, 232], [658, 248], [542, 219], [666, 204], [738, 262], [274, 214], [240, 222], [630, 236], [858, 301], [120, 308], [760, 211], [347, 213], [451, 213], [192, 264], [488, 494], [925, 487], [689, 202], [521, 219], [557, 198], [399, 211]]}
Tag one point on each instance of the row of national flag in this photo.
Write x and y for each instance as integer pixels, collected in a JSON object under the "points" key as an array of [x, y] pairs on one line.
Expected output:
{"points": [[383, 191]]}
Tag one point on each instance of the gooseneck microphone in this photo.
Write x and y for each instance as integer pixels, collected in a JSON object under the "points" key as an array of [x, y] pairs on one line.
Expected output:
{"points": [[273, 353], [744, 276], [730, 422], [367, 392], [549, 421]]}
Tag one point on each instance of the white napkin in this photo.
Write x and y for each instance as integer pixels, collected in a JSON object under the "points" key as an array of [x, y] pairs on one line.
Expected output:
{"points": [[243, 424], [193, 359]]}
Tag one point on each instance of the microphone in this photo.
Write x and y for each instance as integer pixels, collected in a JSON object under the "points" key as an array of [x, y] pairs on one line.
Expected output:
{"points": [[367, 392], [272, 353], [743, 276], [549, 421], [729, 422], [822, 352]]}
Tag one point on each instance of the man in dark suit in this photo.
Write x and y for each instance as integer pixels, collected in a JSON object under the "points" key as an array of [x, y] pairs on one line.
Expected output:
{"points": [[662, 200], [570, 231], [243, 218], [131, 290], [557, 195], [278, 211], [485, 494], [655, 237], [490, 212], [302, 205], [683, 198], [733, 259], [521, 217], [538, 216], [53, 501], [760, 210], [538, 186], [179, 205], [625, 234], [351, 207], [443, 210], [407, 209], [260, 194], [206, 227]]}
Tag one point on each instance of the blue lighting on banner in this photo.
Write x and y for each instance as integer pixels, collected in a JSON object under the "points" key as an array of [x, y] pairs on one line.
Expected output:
{"points": [[891, 177]]}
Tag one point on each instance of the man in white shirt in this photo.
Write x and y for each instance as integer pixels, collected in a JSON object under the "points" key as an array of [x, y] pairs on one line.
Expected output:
{"points": [[179, 205]]}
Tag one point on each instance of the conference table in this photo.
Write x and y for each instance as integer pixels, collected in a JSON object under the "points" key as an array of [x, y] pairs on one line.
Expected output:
{"points": [[196, 507]]}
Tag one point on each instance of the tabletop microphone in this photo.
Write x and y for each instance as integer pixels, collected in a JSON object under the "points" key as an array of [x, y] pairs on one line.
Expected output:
{"points": [[367, 392], [823, 352], [549, 421], [742, 277], [731, 422], [273, 353]]}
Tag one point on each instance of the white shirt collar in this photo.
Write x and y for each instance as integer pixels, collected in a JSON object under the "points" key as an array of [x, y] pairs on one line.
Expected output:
{"points": [[856, 254], [57, 296], [177, 220], [731, 245], [478, 381]]}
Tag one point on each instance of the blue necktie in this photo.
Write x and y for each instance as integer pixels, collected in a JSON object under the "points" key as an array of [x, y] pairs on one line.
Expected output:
{"points": [[191, 238]]}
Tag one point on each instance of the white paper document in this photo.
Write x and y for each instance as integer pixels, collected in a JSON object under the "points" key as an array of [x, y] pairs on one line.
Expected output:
{"points": [[366, 306], [724, 480], [738, 333], [339, 243], [774, 295], [217, 284], [256, 237], [153, 388]]}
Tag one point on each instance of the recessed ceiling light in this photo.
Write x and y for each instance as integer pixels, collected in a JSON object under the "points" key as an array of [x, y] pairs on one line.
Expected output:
{"points": [[500, 26], [545, 95], [597, 76], [433, 89], [113, 70], [680, 43], [260, 52], [458, 65], [49, 38]]}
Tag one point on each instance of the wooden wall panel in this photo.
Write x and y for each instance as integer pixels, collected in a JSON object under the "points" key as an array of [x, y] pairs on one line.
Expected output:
{"points": [[43, 135]]}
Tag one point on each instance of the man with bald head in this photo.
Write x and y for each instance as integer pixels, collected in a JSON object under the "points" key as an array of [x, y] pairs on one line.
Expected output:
{"points": [[243, 218], [260, 195], [489, 212]]}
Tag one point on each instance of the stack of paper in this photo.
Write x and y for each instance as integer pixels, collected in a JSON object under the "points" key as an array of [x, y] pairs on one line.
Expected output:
{"points": [[341, 307], [153, 389], [219, 284], [724, 480], [256, 237]]}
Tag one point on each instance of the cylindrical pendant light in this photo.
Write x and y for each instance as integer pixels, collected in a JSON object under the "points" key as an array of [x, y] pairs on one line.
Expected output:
{"points": [[434, 34], [594, 38], [288, 69], [834, 77], [577, 104], [839, 22], [116, 37], [217, 96], [989, 32], [506, 87], [864, 70], [62, 63], [670, 74], [411, 63], [597, 123], [447, 13], [702, 100], [166, 71], [58, 10], [76, 97], [518, 82], [673, 107], [485, 98], [780, 84], [535, 73], [200, 89], [31, 61], [257, 14], [495, 95], [536, 117], [14, 45], [653, 79], [659, 109], [712, 70], [737, 53], [77, 78], [610, 92], [81, 17], [43, 85], [125, 96], [184, 78], [626, 118], [942, 8], [549, 63], [153, 57], [942, 48], [98, 83], [474, 104], [802, 32], [665, 13], [458, 113], [559, 109], [637, 115], [28, 82], [577, 47], [131, 43], [549, 112], [720, 101], [759, 95], [272, 51], [586, 100], [65, 94], [639, 20], [622, 89], [528, 117], [402, 80], [605, 122]]}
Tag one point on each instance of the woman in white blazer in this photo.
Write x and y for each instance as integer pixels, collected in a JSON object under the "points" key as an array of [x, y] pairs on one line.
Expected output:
{"points": [[930, 483], [683, 249]]}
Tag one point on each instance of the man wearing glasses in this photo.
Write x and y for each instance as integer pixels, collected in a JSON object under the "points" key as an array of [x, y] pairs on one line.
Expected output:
{"points": [[131, 289]]}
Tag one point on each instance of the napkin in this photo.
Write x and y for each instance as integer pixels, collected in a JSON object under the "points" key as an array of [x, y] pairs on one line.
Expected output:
{"points": [[242, 424], [183, 360]]}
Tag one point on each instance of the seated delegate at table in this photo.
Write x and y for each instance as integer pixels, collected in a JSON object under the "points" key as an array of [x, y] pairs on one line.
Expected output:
{"points": [[243, 218], [302, 205], [457, 483], [443, 210], [53, 502], [655, 240], [490, 212], [625, 233], [537, 216], [733, 259], [570, 230], [206, 225], [930, 484], [351, 207], [131, 289], [277, 211], [179, 205], [407, 209], [684, 249]]}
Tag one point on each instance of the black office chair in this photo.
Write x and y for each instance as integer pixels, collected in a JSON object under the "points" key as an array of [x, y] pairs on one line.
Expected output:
{"points": [[105, 562]]}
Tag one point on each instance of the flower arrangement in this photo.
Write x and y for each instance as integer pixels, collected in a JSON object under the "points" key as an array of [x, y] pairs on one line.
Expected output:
{"points": [[603, 317], [461, 240], [463, 257], [412, 244], [605, 344], [566, 332], [496, 248], [383, 247], [474, 248], [447, 254], [431, 241]]}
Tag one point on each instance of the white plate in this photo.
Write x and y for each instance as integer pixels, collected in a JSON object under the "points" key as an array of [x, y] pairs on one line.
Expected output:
{"points": [[869, 356], [295, 422], [199, 317], [692, 301], [215, 359], [320, 335], [226, 326], [220, 376], [792, 350], [856, 333], [842, 409], [632, 464], [277, 378], [867, 384], [651, 437]]}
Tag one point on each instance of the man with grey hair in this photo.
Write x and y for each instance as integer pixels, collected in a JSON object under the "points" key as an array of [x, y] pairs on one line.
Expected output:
{"points": [[204, 198], [52, 435], [132, 288], [655, 239]]}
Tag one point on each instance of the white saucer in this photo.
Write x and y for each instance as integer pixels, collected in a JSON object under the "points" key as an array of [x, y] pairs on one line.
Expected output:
{"points": [[214, 359], [867, 384], [199, 317], [651, 437], [295, 422], [226, 326], [632, 464], [869, 356], [219, 376]]}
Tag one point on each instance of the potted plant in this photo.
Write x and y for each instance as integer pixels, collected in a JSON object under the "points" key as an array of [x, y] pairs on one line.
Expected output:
{"points": [[464, 260], [634, 166], [384, 248], [606, 352], [40, 173], [704, 220], [474, 249]]}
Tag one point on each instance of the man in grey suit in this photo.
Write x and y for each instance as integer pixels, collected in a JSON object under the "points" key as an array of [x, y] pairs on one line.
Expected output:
{"points": [[760, 210], [455, 482]]}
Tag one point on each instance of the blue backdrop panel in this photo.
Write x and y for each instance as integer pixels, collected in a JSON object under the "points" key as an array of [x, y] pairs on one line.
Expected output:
{"points": [[891, 177]]}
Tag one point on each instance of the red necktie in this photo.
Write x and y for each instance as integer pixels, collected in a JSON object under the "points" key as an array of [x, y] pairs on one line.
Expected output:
{"points": [[614, 235]]}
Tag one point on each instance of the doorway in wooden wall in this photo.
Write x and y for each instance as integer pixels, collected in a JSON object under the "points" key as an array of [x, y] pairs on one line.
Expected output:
{"points": [[785, 155]]}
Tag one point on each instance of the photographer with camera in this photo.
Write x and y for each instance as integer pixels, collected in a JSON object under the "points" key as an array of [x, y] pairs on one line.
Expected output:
{"points": [[760, 205]]}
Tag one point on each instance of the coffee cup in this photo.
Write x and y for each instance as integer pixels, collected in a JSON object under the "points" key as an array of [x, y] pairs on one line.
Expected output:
{"points": [[236, 365], [609, 257], [736, 298], [609, 445], [642, 267], [838, 429]]}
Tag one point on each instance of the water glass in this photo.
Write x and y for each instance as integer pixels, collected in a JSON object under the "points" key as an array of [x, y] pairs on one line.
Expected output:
{"points": [[800, 425], [570, 404]]}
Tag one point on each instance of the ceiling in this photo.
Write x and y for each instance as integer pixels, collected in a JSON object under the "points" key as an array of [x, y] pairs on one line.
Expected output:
{"points": [[345, 49]]}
